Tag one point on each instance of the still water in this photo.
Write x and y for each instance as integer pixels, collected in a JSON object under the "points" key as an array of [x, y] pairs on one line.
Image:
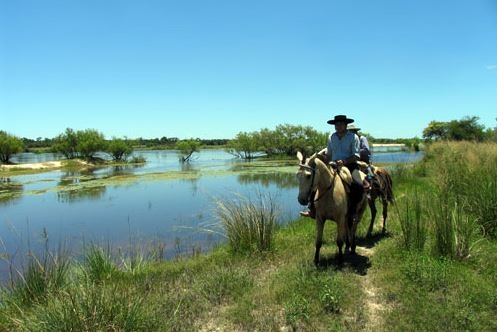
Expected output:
{"points": [[178, 213]]}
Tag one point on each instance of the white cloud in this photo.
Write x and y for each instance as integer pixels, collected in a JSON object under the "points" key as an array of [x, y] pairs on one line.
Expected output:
{"points": [[492, 67]]}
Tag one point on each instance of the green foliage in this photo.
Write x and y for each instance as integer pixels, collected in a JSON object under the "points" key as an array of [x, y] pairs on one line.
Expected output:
{"points": [[285, 139], [66, 143], [299, 138], [9, 145], [246, 145], [119, 149], [83, 143], [187, 148], [466, 129], [89, 142]]}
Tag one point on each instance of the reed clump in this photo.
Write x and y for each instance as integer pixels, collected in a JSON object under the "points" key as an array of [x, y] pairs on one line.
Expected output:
{"points": [[248, 224]]}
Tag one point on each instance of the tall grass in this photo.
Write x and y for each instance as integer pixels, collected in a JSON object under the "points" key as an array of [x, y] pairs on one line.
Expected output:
{"points": [[42, 275], [41, 278], [88, 308], [248, 224], [467, 173], [54, 293], [459, 202], [412, 223], [98, 265]]}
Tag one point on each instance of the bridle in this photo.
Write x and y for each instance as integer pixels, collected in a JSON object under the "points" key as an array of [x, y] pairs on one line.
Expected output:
{"points": [[313, 176]]}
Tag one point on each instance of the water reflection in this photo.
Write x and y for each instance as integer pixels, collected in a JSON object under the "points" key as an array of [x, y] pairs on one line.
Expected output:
{"points": [[281, 180], [10, 190], [71, 196]]}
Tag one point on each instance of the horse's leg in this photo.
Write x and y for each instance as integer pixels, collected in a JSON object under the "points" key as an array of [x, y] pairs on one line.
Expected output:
{"points": [[372, 208], [319, 239], [385, 213], [342, 234]]}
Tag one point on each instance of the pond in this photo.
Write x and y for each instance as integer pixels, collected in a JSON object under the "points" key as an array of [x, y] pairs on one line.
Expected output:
{"points": [[162, 204]]}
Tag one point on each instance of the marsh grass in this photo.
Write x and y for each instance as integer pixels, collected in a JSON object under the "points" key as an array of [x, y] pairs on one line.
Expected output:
{"points": [[412, 222], [97, 265], [41, 278], [248, 224], [466, 173]]}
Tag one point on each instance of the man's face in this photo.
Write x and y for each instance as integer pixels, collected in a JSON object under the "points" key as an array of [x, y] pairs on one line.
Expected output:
{"points": [[340, 126]]}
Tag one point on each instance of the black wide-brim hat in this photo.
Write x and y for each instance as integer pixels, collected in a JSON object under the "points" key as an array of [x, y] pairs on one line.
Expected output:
{"points": [[340, 118]]}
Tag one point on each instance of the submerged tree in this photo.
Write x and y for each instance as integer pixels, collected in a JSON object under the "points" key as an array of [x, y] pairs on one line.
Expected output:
{"points": [[119, 149], [82, 143], [90, 141], [186, 148], [245, 145], [9, 145]]}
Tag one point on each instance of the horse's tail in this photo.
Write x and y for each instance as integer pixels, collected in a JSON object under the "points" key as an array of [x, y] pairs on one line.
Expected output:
{"points": [[389, 188], [388, 185]]}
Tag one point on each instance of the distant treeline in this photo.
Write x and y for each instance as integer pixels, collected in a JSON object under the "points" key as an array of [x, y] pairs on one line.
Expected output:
{"points": [[147, 143], [283, 140]]}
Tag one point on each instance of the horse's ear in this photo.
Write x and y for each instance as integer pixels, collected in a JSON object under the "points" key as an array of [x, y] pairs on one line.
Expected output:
{"points": [[300, 156]]}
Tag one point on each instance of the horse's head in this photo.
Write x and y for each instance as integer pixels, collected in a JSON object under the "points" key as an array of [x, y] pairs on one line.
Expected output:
{"points": [[306, 177]]}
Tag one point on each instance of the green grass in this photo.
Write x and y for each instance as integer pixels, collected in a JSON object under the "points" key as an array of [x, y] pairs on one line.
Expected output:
{"points": [[248, 224], [435, 270]]}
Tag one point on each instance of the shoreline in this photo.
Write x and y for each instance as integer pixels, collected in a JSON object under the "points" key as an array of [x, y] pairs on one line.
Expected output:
{"points": [[33, 166]]}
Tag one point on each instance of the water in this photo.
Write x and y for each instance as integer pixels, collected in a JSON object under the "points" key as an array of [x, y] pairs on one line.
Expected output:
{"points": [[177, 213]]}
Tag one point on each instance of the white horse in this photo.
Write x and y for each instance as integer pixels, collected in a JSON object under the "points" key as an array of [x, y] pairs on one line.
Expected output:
{"points": [[329, 188]]}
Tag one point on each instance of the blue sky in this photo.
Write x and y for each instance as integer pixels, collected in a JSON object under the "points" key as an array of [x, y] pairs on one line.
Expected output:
{"points": [[211, 69]]}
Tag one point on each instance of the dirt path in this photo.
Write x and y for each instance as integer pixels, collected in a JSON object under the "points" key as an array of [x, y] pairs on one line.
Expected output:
{"points": [[373, 303]]}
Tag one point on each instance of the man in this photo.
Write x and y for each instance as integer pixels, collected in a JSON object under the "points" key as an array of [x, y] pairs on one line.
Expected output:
{"points": [[343, 149], [364, 152]]}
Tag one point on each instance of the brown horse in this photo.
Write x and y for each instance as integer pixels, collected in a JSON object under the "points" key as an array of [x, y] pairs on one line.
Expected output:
{"points": [[381, 187], [327, 187]]}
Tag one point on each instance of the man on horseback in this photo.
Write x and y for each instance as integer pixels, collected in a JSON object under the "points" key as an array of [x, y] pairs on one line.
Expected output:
{"points": [[364, 151], [344, 150]]}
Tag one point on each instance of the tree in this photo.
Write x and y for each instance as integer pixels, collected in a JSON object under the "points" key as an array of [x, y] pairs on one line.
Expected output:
{"points": [[299, 138], [89, 142], [244, 145], [435, 130], [186, 148], [269, 141], [9, 145], [66, 144], [466, 129], [119, 149]]}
